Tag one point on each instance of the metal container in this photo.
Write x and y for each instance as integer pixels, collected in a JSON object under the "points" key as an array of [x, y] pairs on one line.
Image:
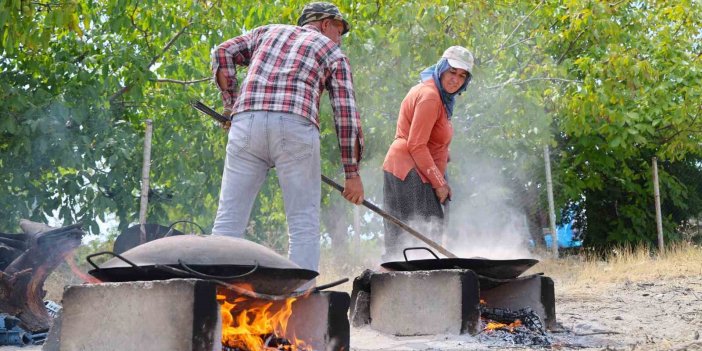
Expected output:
{"points": [[224, 258], [499, 269]]}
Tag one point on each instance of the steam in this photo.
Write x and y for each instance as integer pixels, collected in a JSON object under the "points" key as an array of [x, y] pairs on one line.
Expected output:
{"points": [[484, 218]]}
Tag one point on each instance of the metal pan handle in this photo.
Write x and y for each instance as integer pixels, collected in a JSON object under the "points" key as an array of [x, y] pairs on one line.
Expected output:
{"points": [[207, 276], [404, 252], [89, 259], [170, 227]]}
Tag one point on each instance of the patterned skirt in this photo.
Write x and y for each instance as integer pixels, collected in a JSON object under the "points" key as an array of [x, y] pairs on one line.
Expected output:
{"points": [[414, 203]]}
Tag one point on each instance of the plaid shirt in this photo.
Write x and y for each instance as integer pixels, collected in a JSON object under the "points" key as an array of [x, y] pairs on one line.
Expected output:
{"points": [[289, 68]]}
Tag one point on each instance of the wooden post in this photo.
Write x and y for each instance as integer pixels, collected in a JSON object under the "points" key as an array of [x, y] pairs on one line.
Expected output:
{"points": [[357, 234], [145, 170], [657, 198], [551, 206]]}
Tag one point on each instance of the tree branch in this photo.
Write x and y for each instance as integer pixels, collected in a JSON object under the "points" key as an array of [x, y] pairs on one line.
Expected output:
{"points": [[503, 47], [48, 5], [519, 42], [520, 82], [690, 128], [687, 14], [570, 46], [519, 25], [181, 82], [154, 59], [170, 43], [144, 33]]}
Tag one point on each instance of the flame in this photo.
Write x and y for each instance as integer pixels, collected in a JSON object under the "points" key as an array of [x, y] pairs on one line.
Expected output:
{"points": [[247, 322], [86, 278], [491, 326]]}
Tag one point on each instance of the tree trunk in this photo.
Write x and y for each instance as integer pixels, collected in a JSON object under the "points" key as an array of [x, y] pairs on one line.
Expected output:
{"points": [[23, 272]]}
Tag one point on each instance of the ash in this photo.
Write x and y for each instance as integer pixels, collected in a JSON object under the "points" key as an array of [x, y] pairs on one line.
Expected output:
{"points": [[520, 335]]}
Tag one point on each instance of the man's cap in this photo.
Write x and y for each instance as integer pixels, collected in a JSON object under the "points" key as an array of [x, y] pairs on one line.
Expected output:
{"points": [[317, 11], [459, 57]]}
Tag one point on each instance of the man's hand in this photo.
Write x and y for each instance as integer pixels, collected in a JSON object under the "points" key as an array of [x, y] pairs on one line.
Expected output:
{"points": [[353, 190], [228, 124], [443, 193]]}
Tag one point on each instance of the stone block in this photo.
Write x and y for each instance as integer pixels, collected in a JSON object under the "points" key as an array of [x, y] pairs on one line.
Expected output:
{"points": [[321, 319], [533, 291], [425, 302], [174, 315], [360, 299]]}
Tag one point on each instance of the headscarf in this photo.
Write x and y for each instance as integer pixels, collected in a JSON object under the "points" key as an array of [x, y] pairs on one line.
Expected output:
{"points": [[435, 72]]}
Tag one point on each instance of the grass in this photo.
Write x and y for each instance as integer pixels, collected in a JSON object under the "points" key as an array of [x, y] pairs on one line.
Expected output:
{"points": [[572, 272], [620, 265]]}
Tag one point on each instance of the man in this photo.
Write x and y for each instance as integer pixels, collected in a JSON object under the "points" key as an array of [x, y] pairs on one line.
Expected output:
{"points": [[275, 122]]}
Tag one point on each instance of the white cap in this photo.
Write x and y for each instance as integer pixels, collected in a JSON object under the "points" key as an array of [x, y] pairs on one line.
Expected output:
{"points": [[459, 57]]}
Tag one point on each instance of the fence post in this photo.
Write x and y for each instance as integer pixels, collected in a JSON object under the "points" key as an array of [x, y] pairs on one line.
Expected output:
{"points": [[357, 234], [657, 198], [145, 170], [551, 206]]}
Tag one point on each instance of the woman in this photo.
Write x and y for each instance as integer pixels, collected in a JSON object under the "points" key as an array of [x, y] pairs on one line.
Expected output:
{"points": [[414, 167]]}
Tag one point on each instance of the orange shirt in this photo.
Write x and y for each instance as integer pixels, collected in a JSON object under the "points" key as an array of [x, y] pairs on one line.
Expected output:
{"points": [[422, 137]]}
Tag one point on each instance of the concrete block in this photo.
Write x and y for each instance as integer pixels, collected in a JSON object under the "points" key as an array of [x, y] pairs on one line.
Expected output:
{"points": [[360, 299], [533, 291], [174, 315], [52, 338], [425, 302], [360, 313], [322, 320]]}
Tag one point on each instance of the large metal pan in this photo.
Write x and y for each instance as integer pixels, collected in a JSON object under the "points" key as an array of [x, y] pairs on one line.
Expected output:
{"points": [[223, 258], [131, 237], [498, 269]]}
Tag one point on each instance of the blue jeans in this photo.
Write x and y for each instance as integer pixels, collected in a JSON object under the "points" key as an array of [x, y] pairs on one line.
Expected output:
{"points": [[259, 141]]}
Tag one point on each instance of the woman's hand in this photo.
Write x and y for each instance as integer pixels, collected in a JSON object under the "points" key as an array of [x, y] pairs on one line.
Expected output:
{"points": [[443, 193]]}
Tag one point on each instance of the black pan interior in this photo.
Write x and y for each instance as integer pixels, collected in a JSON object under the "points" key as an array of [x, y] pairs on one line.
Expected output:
{"points": [[500, 269]]}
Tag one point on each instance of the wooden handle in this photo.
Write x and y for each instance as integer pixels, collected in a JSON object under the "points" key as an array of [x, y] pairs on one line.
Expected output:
{"points": [[395, 221]]}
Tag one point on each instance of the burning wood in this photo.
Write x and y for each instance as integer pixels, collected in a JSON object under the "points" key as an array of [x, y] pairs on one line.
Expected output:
{"points": [[512, 319], [522, 327], [508, 327], [252, 324], [26, 260]]}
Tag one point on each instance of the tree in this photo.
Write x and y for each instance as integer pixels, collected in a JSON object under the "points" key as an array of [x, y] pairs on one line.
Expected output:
{"points": [[639, 98], [609, 84]]}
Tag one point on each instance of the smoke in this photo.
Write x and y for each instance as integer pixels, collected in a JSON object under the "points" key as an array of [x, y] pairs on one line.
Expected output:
{"points": [[484, 217]]}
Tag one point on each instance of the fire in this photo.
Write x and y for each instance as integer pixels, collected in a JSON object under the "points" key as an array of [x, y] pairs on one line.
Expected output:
{"points": [[69, 258], [497, 325], [250, 324], [492, 325]]}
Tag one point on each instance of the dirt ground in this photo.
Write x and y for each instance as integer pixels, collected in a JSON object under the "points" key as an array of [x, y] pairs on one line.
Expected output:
{"points": [[658, 314], [655, 314], [661, 314]]}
